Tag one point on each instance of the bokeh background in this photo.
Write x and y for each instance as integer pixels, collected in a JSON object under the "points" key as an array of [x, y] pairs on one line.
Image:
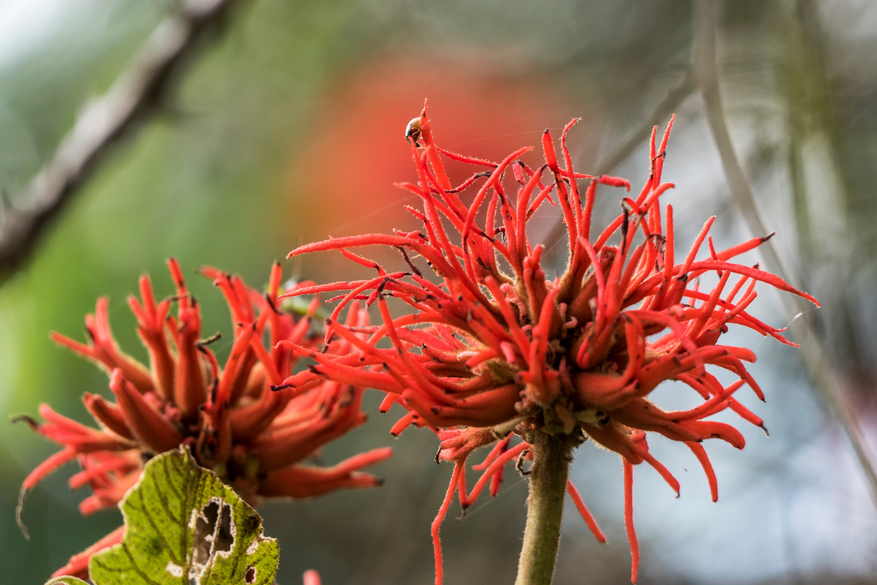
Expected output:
{"points": [[289, 128]]}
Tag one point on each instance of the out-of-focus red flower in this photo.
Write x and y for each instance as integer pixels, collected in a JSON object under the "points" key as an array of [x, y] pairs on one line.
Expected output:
{"points": [[240, 420], [357, 123], [494, 348]]}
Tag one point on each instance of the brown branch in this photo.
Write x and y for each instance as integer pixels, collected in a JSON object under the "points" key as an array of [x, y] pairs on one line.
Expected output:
{"points": [[136, 95], [812, 349]]}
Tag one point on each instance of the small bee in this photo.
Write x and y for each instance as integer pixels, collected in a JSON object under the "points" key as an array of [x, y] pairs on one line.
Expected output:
{"points": [[412, 131]]}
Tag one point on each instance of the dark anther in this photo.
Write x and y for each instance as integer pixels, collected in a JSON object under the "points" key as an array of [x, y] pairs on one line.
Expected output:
{"points": [[215, 337], [271, 305], [624, 227], [481, 233], [408, 261], [31, 422]]}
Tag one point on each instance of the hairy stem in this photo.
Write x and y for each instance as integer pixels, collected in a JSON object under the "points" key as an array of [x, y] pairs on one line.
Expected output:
{"points": [[552, 454]]}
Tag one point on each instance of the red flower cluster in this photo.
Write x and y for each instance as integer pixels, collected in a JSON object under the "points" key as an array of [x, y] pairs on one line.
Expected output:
{"points": [[493, 348], [240, 420]]}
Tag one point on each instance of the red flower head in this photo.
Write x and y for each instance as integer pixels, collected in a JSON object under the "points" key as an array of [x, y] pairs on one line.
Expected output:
{"points": [[239, 420], [493, 348]]}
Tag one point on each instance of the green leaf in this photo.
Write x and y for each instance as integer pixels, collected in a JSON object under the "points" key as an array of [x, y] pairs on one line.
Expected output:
{"points": [[184, 526], [66, 581]]}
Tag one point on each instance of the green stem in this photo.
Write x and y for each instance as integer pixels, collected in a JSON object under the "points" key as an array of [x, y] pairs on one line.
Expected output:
{"points": [[548, 477]]}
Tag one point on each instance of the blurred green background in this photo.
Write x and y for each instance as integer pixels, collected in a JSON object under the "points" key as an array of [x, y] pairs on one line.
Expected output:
{"points": [[289, 128]]}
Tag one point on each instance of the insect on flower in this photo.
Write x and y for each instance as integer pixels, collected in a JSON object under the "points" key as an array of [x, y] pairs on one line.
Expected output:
{"points": [[412, 132], [240, 420], [492, 349]]}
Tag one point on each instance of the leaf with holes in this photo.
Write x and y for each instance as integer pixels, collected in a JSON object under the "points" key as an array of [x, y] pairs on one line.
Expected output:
{"points": [[184, 526]]}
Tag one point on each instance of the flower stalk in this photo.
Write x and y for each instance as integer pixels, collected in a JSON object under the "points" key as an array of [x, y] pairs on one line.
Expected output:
{"points": [[548, 479]]}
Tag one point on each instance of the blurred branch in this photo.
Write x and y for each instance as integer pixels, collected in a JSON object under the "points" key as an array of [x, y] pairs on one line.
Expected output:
{"points": [[814, 353], [641, 133], [136, 95]]}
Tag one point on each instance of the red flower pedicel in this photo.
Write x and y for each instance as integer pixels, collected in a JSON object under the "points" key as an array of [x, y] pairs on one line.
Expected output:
{"points": [[240, 420], [496, 349]]}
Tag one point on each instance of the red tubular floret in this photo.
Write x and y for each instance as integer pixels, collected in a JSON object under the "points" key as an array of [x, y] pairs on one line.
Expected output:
{"points": [[107, 414], [146, 423], [585, 513], [495, 466], [701, 455], [628, 519], [766, 277], [300, 481], [77, 566], [459, 467], [48, 466]]}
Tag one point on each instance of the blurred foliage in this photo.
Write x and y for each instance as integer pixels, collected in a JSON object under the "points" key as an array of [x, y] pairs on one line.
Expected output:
{"points": [[290, 128]]}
